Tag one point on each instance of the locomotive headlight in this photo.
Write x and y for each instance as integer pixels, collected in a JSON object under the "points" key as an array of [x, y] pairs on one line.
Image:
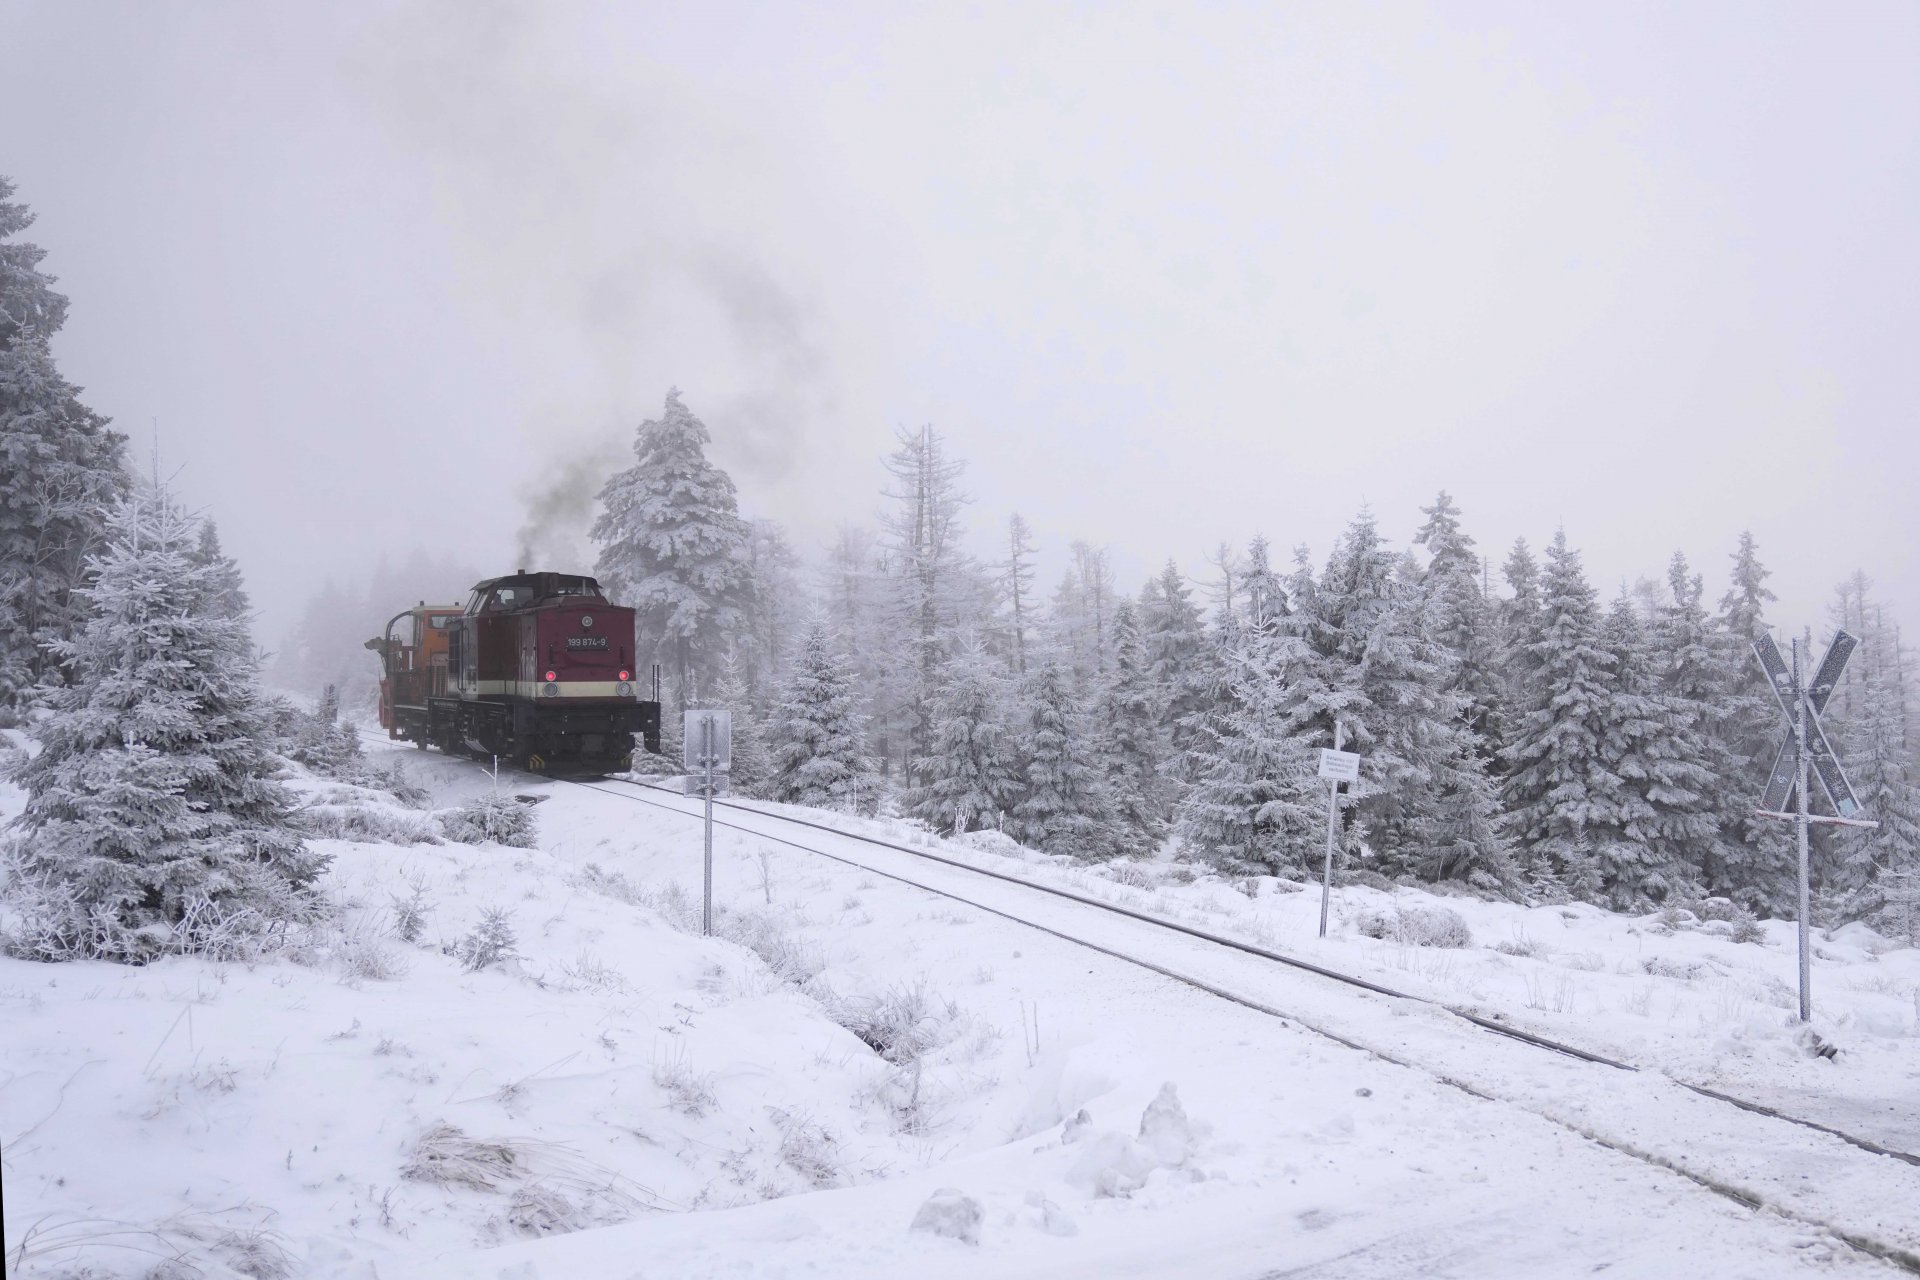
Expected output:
{"points": [[549, 690], [624, 689]]}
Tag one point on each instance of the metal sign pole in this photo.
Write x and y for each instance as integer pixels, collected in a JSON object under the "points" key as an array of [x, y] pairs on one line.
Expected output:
{"points": [[1801, 712], [706, 754], [1333, 817]]}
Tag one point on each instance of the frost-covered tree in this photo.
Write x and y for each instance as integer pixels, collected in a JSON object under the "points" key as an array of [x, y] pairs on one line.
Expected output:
{"points": [[1130, 743], [1016, 589], [819, 747], [751, 769], [1422, 803], [1462, 621], [1647, 831], [1174, 644], [772, 613], [1869, 726], [28, 302], [152, 813], [1249, 805], [1759, 856], [1692, 663], [322, 740], [1557, 781], [968, 777], [228, 589], [934, 585], [673, 546], [1063, 805], [1260, 582], [60, 467]]}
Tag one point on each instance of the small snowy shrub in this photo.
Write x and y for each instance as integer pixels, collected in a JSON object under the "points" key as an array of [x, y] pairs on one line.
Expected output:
{"points": [[1678, 970], [900, 1025], [809, 1150], [1131, 876], [1369, 923], [367, 824], [688, 1091], [1521, 944], [364, 957], [1416, 926], [410, 913], [792, 958], [1434, 927], [394, 781], [491, 941], [445, 1155], [490, 819]]}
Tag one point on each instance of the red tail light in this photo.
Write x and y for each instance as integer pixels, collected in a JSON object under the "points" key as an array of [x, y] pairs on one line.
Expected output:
{"points": [[623, 675], [552, 676]]}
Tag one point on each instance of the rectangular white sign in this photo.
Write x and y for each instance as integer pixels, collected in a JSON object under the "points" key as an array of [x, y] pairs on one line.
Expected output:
{"points": [[690, 746], [1339, 766]]}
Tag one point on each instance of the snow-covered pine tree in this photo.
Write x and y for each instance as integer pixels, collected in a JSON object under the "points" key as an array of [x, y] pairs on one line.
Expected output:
{"points": [[152, 818], [229, 591], [60, 467], [1694, 678], [673, 546], [1557, 780], [323, 742], [771, 617], [1016, 588], [935, 586], [1130, 743], [1249, 805], [1422, 801], [968, 779], [1266, 594], [1516, 622], [1870, 729], [1759, 866], [1174, 644], [1650, 829], [819, 748], [28, 303], [752, 764], [1462, 621], [1063, 806]]}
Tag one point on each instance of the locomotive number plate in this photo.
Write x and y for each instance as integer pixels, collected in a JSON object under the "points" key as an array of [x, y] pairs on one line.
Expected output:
{"points": [[586, 642]]}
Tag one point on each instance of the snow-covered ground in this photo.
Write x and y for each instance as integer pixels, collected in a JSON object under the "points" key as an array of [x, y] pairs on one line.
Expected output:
{"points": [[851, 1055], [1666, 990]]}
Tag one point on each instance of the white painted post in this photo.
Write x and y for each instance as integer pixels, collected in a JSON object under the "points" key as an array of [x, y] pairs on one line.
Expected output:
{"points": [[1800, 714], [706, 755], [1333, 817]]}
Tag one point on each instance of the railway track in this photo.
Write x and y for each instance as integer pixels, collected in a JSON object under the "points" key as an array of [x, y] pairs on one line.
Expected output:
{"points": [[1759, 1126]]}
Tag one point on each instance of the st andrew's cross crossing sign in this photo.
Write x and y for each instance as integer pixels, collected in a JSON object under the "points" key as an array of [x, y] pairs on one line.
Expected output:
{"points": [[1821, 759]]}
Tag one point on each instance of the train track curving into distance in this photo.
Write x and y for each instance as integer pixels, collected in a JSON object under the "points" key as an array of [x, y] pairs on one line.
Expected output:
{"points": [[1901, 1254]]}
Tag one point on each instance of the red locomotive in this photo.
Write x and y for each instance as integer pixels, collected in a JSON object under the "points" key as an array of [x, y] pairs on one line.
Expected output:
{"points": [[538, 669]]}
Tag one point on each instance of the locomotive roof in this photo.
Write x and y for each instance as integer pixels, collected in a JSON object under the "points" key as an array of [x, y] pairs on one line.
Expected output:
{"points": [[578, 579], [538, 588]]}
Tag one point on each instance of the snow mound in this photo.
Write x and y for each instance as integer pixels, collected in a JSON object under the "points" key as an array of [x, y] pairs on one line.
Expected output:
{"points": [[949, 1213]]}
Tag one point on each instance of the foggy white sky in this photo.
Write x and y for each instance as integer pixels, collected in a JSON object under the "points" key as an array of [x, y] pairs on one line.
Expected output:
{"points": [[1164, 276]]}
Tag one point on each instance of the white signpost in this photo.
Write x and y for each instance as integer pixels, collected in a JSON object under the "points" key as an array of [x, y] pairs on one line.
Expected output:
{"points": [[1336, 766], [1805, 751], [706, 750]]}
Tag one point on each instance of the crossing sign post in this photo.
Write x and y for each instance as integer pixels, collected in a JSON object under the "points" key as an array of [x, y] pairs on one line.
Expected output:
{"points": [[1336, 766], [707, 749], [1805, 754]]}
